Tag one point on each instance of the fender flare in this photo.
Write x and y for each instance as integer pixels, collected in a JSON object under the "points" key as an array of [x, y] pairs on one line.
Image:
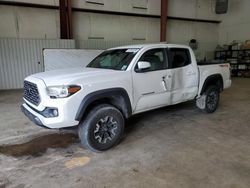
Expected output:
{"points": [[211, 79], [118, 95]]}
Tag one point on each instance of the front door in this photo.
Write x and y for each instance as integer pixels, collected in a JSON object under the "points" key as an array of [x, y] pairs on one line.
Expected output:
{"points": [[152, 86]]}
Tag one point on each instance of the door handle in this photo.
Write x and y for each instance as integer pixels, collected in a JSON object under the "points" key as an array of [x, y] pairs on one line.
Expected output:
{"points": [[164, 84]]}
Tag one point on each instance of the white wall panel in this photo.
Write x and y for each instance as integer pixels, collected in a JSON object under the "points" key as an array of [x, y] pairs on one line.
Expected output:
{"points": [[20, 22], [140, 27], [140, 4], [202, 9], [8, 23], [19, 58], [126, 28], [236, 23], [81, 26], [192, 8], [113, 5], [205, 9], [42, 23], [38, 23], [55, 59], [152, 6], [43, 2], [153, 32], [104, 26], [111, 27], [206, 34]]}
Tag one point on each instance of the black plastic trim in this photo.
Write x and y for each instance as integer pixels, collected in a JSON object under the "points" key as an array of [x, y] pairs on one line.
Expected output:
{"points": [[43, 112], [119, 94], [32, 117], [211, 78]]}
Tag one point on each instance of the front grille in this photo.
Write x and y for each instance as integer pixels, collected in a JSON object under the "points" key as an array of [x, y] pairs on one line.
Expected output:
{"points": [[31, 93]]}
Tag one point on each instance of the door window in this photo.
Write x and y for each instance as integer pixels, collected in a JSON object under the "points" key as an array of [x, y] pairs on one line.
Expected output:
{"points": [[179, 57], [156, 58]]}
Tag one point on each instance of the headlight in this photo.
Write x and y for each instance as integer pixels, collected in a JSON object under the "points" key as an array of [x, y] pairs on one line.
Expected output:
{"points": [[62, 91]]}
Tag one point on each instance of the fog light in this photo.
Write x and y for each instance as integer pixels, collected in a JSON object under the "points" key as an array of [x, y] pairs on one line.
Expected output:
{"points": [[50, 112], [55, 112]]}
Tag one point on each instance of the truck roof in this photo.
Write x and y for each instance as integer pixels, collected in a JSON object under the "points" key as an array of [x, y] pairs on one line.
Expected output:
{"points": [[152, 45]]}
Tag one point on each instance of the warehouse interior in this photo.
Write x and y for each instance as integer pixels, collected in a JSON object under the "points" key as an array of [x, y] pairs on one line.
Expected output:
{"points": [[175, 146]]}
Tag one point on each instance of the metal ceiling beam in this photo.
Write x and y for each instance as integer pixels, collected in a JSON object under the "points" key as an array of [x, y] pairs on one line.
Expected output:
{"points": [[163, 32]]}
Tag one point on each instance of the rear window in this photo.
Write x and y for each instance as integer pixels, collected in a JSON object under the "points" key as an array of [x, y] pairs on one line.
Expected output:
{"points": [[179, 57]]}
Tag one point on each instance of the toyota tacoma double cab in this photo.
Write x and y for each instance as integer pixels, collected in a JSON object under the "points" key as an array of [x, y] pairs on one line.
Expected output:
{"points": [[119, 83]]}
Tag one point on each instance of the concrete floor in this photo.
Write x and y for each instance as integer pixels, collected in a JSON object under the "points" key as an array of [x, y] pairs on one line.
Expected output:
{"points": [[177, 146]]}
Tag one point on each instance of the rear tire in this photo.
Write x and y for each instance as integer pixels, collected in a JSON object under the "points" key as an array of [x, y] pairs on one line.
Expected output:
{"points": [[212, 94], [102, 128]]}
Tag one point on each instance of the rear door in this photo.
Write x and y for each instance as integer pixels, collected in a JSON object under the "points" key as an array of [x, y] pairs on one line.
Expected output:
{"points": [[184, 74]]}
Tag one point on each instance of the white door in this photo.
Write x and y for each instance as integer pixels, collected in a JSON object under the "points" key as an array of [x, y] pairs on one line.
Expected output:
{"points": [[184, 75], [152, 86]]}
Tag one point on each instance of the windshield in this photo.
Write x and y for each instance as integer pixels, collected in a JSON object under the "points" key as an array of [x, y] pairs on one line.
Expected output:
{"points": [[118, 59]]}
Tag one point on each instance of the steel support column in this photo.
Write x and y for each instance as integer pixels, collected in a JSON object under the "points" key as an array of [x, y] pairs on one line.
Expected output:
{"points": [[69, 11], [65, 19], [164, 8]]}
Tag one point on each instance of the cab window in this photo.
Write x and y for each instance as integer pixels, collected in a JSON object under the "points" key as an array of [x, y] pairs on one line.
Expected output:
{"points": [[179, 57], [156, 58]]}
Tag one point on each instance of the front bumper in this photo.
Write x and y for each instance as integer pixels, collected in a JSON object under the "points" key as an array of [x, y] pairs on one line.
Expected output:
{"points": [[66, 108], [32, 117], [61, 121]]}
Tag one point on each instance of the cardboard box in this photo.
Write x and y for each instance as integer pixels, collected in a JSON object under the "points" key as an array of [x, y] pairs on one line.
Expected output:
{"points": [[246, 45]]}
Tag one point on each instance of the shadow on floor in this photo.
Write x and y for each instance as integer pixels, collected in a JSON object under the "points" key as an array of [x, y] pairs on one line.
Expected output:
{"points": [[133, 123]]}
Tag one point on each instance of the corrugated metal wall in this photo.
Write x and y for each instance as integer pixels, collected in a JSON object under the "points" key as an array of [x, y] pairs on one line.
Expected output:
{"points": [[19, 58]]}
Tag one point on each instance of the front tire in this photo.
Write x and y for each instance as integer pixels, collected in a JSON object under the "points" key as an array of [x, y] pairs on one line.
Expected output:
{"points": [[102, 128]]}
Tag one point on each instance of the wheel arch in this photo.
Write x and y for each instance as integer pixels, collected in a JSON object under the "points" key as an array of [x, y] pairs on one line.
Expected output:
{"points": [[215, 79], [118, 97]]}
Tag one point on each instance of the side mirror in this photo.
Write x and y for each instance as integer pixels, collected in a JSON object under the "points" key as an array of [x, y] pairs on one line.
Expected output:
{"points": [[143, 66]]}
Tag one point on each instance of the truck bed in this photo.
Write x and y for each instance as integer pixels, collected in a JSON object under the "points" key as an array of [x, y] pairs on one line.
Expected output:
{"points": [[207, 69]]}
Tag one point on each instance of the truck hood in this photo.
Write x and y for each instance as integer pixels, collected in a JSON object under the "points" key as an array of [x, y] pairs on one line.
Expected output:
{"points": [[65, 76]]}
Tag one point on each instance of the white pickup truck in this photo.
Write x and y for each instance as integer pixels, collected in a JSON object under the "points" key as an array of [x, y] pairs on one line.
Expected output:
{"points": [[117, 84]]}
